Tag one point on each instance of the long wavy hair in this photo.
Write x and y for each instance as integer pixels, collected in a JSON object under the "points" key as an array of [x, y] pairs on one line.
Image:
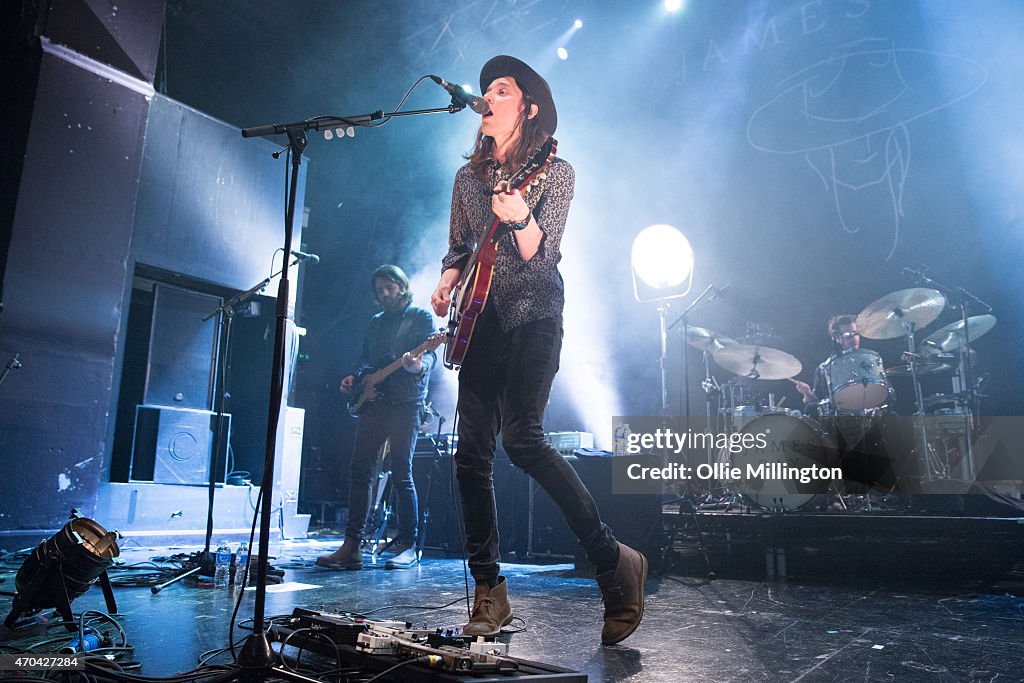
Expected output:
{"points": [[531, 137]]}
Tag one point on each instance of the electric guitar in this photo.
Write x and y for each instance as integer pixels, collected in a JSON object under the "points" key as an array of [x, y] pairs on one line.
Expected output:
{"points": [[365, 389], [475, 282]]}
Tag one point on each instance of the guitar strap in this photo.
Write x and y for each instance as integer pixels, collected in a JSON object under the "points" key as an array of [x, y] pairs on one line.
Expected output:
{"points": [[402, 331]]}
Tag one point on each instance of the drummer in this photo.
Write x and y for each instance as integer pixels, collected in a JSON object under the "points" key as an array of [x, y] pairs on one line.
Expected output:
{"points": [[842, 330], [862, 452]]}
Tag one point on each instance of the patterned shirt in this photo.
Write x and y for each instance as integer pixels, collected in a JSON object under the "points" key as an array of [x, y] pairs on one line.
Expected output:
{"points": [[521, 291]]}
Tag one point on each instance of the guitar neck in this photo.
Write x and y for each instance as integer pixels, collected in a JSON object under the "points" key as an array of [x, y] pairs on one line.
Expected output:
{"points": [[432, 343], [519, 182]]}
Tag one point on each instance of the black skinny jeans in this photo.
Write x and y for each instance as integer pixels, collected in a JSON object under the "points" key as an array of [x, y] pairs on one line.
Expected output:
{"points": [[504, 385], [399, 423]]}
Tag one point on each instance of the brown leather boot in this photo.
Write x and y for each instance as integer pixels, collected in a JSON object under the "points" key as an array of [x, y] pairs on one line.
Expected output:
{"points": [[348, 556], [623, 593], [491, 610]]}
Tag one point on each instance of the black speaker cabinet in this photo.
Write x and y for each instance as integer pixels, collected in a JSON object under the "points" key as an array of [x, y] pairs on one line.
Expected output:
{"points": [[438, 494], [635, 519], [174, 445], [530, 524]]}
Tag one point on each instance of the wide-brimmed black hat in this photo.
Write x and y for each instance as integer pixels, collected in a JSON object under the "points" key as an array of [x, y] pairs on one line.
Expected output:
{"points": [[527, 79]]}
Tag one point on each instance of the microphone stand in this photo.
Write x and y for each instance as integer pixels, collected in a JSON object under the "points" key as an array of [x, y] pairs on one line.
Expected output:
{"points": [[969, 400], [685, 319], [256, 661], [12, 364], [204, 562]]}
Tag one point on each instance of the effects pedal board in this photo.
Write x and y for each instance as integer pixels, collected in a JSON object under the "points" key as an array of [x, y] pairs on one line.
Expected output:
{"points": [[439, 654]]}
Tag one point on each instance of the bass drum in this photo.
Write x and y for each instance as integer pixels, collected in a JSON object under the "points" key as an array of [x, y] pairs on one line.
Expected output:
{"points": [[740, 416], [770, 447]]}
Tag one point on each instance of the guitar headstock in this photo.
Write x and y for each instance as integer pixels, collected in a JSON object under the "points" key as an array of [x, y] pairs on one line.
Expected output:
{"points": [[535, 164], [434, 340]]}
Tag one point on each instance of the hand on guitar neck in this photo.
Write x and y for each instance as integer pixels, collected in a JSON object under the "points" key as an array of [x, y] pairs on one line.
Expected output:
{"points": [[412, 362], [365, 386]]}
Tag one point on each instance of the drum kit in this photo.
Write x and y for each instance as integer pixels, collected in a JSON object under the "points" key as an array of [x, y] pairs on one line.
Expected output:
{"points": [[859, 390]]}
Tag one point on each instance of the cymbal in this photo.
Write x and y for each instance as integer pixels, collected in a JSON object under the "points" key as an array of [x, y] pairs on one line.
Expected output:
{"points": [[952, 337], [704, 339], [758, 362], [887, 317], [922, 369]]}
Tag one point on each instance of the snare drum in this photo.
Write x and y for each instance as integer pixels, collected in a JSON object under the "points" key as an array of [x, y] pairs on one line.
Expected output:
{"points": [[788, 442], [857, 380]]}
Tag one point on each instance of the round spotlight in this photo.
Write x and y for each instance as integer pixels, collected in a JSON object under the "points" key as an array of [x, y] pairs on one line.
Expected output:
{"points": [[63, 567], [578, 23], [562, 53], [662, 257], [673, 5]]}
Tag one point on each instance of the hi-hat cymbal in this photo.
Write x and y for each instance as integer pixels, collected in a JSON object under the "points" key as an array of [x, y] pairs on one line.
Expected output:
{"points": [[891, 315], [952, 337], [704, 339], [758, 362]]}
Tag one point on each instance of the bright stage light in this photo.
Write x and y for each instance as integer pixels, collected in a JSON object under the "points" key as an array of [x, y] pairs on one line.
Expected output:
{"points": [[562, 53], [662, 265], [662, 259], [578, 23], [673, 5]]}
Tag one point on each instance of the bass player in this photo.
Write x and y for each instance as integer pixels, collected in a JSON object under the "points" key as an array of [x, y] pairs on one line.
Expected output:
{"points": [[393, 415]]}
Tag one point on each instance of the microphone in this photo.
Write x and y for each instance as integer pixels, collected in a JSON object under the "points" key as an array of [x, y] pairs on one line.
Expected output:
{"points": [[459, 94], [303, 256]]}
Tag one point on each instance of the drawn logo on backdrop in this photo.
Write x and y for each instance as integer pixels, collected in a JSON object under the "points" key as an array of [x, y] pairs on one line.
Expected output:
{"points": [[848, 116]]}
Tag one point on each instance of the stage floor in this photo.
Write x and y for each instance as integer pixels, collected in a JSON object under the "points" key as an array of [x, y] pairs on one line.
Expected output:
{"points": [[694, 629]]}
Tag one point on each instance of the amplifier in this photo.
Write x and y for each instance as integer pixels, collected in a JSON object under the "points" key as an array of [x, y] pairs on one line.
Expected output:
{"points": [[567, 443]]}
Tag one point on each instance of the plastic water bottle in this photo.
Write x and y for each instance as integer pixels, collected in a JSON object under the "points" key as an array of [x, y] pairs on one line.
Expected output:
{"points": [[241, 559], [222, 573]]}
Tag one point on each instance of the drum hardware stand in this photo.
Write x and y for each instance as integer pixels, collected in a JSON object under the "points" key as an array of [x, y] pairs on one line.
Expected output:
{"points": [[684, 318], [686, 507], [711, 387], [919, 401], [965, 298]]}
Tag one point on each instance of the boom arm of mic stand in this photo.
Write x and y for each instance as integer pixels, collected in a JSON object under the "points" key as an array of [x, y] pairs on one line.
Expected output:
{"points": [[950, 292], [696, 302], [321, 123]]}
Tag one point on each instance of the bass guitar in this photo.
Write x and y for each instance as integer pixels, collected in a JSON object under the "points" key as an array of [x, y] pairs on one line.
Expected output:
{"points": [[365, 390], [475, 282]]}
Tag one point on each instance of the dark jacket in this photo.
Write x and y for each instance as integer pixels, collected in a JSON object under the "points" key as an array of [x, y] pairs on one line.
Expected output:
{"points": [[387, 338]]}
